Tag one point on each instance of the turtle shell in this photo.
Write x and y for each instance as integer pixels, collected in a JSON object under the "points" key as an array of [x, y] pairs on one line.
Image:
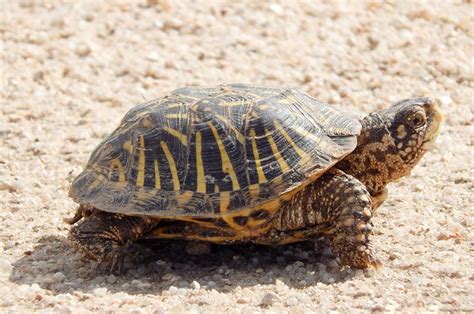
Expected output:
{"points": [[229, 151]]}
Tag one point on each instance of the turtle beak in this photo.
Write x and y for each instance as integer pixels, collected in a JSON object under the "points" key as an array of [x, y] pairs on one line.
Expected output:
{"points": [[435, 118]]}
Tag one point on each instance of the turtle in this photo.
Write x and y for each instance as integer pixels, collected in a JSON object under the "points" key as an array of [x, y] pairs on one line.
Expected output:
{"points": [[243, 163]]}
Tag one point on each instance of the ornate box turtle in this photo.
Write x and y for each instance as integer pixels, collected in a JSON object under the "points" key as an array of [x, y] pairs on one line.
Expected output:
{"points": [[239, 163]]}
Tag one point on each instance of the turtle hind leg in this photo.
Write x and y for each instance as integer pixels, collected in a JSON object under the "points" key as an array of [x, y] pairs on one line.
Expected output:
{"points": [[105, 237]]}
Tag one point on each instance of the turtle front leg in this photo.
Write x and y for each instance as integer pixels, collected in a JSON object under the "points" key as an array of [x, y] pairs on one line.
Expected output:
{"points": [[336, 205], [104, 237]]}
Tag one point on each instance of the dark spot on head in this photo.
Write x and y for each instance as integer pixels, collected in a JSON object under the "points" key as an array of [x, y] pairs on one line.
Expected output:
{"points": [[390, 168], [367, 162], [379, 155], [373, 171]]}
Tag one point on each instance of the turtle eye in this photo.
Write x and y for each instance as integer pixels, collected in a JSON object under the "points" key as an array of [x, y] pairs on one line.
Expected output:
{"points": [[417, 119]]}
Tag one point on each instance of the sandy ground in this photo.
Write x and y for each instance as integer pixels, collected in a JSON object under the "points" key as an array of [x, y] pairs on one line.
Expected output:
{"points": [[71, 70]]}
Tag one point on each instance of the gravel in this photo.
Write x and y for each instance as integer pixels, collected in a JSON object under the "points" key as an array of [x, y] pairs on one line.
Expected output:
{"points": [[70, 71], [268, 299]]}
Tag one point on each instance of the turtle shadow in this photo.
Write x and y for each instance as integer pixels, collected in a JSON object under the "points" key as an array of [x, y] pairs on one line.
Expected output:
{"points": [[158, 266]]}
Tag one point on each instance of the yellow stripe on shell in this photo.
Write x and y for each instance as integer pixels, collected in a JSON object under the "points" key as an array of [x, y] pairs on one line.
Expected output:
{"points": [[141, 162], [183, 197], [258, 225], [258, 164], [226, 164], [127, 145], [289, 99], [176, 115], [234, 103], [157, 175], [228, 217], [201, 181], [180, 136], [276, 153], [254, 190], [115, 163], [317, 139], [174, 105], [99, 180], [239, 135], [304, 156], [172, 165]]}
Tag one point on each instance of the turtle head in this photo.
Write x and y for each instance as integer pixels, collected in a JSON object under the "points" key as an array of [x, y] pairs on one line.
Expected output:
{"points": [[392, 141], [413, 125]]}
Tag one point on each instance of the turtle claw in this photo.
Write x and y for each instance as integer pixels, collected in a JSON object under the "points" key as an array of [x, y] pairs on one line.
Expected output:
{"points": [[356, 255], [116, 266], [115, 260]]}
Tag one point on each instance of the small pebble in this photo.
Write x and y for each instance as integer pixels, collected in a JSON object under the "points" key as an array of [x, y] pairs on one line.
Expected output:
{"points": [[5, 265], [173, 290], [211, 284], [178, 309], [100, 292], [280, 259], [111, 279], [35, 287], [195, 285], [276, 8], [38, 76], [58, 277], [292, 301], [303, 255], [120, 296], [11, 187], [82, 50], [182, 284], [445, 100], [182, 292], [268, 299], [160, 262], [65, 309], [310, 278], [298, 264]]}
